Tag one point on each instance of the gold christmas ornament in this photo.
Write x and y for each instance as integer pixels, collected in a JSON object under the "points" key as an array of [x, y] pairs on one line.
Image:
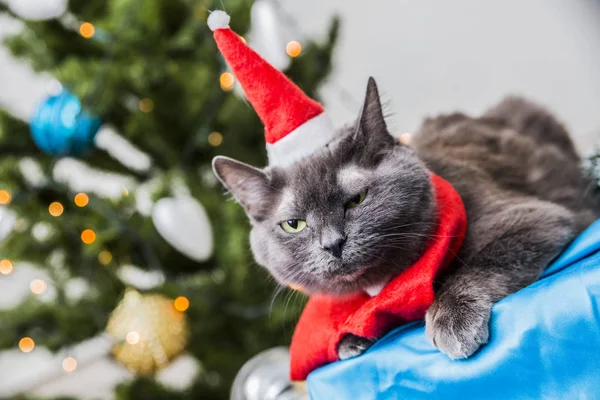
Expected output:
{"points": [[148, 331]]}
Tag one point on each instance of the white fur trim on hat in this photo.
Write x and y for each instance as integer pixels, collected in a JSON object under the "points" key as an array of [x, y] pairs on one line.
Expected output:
{"points": [[218, 19], [311, 136]]}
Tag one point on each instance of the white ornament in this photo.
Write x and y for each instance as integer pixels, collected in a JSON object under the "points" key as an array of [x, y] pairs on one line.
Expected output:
{"points": [[265, 36], [180, 374], [37, 10], [8, 220], [183, 223], [140, 279]]}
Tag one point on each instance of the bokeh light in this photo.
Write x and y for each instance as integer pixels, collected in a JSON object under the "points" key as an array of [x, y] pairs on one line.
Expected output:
{"points": [[56, 209], [405, 138], [87, 30], [215, 139], [26, 344], [132, 337], [105, 257], [88, 236], [181, 303], [69, 364], [81, 199], [297, 288], [38, 286], [6, 267], [227, 81], [146, 105], [293, 48], [4, 197]]}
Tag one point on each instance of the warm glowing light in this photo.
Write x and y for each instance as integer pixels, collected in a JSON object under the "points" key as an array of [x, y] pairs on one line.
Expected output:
{"points": [[293, 48], [56, 209], [81, 199], [297, 288], [215, 139], [405, 138], [26, 344], [88, 236], [132, 338], [125, 192], [146, 105], [6, 267], [38, 286], [69, 364], [227, 80], [181, 303], [87, 30], [4, 197], [105, 257]]}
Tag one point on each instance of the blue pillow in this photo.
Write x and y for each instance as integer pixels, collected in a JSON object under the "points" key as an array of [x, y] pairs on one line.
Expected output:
{"points": [[544, 344]]}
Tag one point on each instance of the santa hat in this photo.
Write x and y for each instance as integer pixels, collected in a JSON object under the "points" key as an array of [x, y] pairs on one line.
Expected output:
{"points": [[295, 125]]}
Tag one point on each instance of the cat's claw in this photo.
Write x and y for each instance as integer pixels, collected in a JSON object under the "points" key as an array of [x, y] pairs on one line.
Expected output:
{"points": [[352, 346], [458, 327]]}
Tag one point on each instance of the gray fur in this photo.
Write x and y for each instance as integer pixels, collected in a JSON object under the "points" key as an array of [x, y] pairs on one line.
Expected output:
{"points": [[515, 169]]}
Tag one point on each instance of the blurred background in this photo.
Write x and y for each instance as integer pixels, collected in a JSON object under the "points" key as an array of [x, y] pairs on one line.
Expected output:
{"points": [[125, 272]]}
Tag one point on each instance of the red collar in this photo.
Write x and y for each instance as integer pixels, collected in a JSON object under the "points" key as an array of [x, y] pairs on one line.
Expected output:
{"points": [[325, 319]]}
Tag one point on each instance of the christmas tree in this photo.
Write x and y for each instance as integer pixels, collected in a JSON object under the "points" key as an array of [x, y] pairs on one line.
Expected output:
{"points": [[147, 73]]}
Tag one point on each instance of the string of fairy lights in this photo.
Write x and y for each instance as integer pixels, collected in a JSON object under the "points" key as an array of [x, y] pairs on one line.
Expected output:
{"points": [[88, 236]]}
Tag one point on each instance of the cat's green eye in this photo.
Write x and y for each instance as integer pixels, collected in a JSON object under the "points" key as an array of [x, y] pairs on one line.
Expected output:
{"points": [[358, 199], [293, 225]]}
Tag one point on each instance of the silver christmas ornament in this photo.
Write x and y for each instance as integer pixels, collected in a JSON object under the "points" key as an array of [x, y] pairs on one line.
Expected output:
{"points": [[266, 376]]}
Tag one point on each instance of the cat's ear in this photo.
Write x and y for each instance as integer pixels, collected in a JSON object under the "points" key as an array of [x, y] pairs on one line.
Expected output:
{"points": [[250, 186], [371, 119], [372, 130]]}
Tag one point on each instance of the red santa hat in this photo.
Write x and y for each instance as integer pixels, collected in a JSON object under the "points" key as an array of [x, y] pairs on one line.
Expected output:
{"points": [[295, 125]]}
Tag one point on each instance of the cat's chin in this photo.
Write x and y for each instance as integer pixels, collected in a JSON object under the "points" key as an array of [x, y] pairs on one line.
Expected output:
{"points": [[352, 276], [365, 279]]}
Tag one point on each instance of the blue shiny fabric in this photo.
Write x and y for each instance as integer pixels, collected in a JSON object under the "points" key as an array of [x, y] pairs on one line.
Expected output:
{"points": [[544, 344], [61, 127]]}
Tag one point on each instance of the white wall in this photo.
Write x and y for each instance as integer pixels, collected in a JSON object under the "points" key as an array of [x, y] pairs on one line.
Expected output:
{"points": [[441, 56]]}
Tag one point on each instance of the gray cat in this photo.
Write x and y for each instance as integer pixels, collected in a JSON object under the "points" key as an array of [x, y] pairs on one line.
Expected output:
{"points": [[351, 216]]}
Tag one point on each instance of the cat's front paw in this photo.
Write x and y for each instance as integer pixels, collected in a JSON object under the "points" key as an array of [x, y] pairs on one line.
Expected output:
{"points": [[352, 346], [458, 327]]}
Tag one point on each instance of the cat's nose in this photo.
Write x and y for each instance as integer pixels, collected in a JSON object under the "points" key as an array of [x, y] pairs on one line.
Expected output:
{"points": [[334, 245]]}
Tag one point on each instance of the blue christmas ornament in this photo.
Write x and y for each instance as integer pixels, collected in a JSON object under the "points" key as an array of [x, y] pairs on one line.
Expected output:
{"points": [[61, 127]]}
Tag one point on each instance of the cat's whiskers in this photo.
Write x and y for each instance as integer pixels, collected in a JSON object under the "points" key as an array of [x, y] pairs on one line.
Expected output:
{"points": [[291, 294], [410, 234], [279, 289], [365, 254], [436, 238], [396, 227]]}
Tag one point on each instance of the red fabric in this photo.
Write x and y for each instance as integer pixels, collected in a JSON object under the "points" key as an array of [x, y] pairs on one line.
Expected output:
{"points": [[281, 105], [326, 319]]}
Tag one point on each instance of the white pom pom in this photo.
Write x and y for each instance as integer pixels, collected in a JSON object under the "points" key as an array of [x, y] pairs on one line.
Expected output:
{"points": [[218, 19]]}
